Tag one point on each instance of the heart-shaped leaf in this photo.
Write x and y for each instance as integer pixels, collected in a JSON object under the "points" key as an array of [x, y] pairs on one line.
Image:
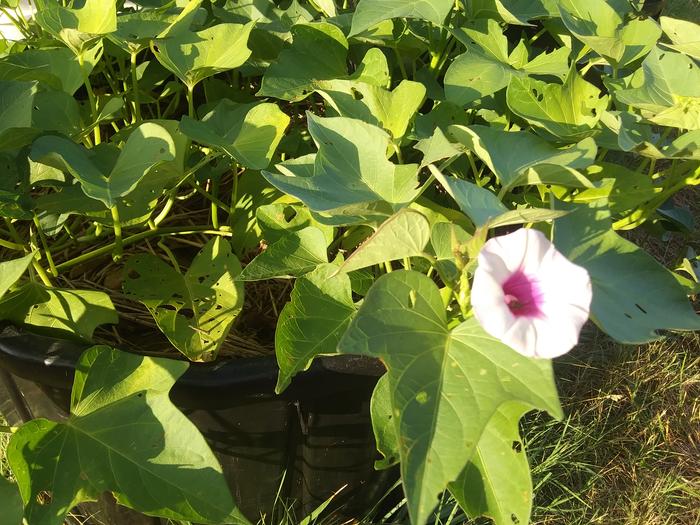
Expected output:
{"points": [[79, 28], [684, 34], [569, 112], [12, 270], [194, 310], [192, 57], [249, 133], [351, 169], [313, 322], [294, 75], [293, 255], [633, 295], [670, 91], [124, 435], [392, 110], [57, 311], [509, 153], [370, 12], [147, 145], [602, 27], [439, 379], [405, 234]]}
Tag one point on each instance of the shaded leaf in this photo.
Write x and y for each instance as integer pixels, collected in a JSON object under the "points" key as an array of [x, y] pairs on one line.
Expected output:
{"points": [[10, 503], [57, 311], [11, 271], [633, 295], [249, 133], [125, 436], [195, 310], [312, 323]]}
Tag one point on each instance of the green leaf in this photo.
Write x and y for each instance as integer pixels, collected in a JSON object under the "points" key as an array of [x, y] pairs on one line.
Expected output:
{"points": [[685, 36], [57, 311], [11, 271], [479, 204], [135, 30], [569, 112], [79, 28], [633, 295], [496, 482], [351, 169], [370, 12], [670, 92], [195, 310], [599, 24], [192, 57], [297, 69], [516, 12], [16, 108], [10, 503], [392, 110], [486, 67], [58, 68], [439, 379], [405, 234], [147, 145], [295, 254], [124, 436], [510, 153], [312, 323], [249, 133], [278, 219]]}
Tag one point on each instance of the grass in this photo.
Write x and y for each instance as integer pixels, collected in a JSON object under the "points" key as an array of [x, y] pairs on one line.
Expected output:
{"points": [[629, 450]]}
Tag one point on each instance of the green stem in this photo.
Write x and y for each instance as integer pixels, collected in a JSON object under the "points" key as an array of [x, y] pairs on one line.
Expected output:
{"points": [[135, 88], [11, 245], [215, 207], [171, 256], [45, 245], [118, 246], [166, 209], [190, 101], [107, 249], [401, 65], [91, 98]]}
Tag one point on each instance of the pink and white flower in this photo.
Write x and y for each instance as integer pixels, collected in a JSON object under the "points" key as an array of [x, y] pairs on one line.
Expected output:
{"points": [[528, 295]]}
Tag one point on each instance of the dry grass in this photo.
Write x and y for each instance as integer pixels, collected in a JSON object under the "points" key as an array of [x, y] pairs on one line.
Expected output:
{"points": [[629, 450]]}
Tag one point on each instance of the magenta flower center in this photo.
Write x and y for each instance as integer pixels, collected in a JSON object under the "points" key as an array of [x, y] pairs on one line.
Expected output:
{"points": [[522, 295]]}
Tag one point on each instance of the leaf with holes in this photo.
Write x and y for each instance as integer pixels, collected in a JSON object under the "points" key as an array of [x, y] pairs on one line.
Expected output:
{"points": [[405, 234], [313, 322], [439, 378], [293, 255], [496, 482], [684, 34], [670, 91], [57, 311], [350, 170], [196, 309], [147, 146], [192, 57], [249, 133], [125, 436], [569, 112], [633, 295]]}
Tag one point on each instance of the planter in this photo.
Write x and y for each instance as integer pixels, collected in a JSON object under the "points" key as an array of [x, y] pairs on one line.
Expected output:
{"points": [[313, 439]]}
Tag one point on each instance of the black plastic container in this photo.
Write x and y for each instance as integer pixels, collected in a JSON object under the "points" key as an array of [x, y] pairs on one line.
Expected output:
{"points": [[316, 436]]}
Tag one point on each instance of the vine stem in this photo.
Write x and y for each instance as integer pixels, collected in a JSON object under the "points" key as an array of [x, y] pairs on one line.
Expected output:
{"points": [[107, 249], [91, 98], [190, 101], [45, 245], [118, 245], [135, 88]]}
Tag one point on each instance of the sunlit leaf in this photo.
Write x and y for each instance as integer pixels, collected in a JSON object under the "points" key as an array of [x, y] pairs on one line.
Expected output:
{"points": [[684, 34], [370, 12], [439, 379], [79, 28]]}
